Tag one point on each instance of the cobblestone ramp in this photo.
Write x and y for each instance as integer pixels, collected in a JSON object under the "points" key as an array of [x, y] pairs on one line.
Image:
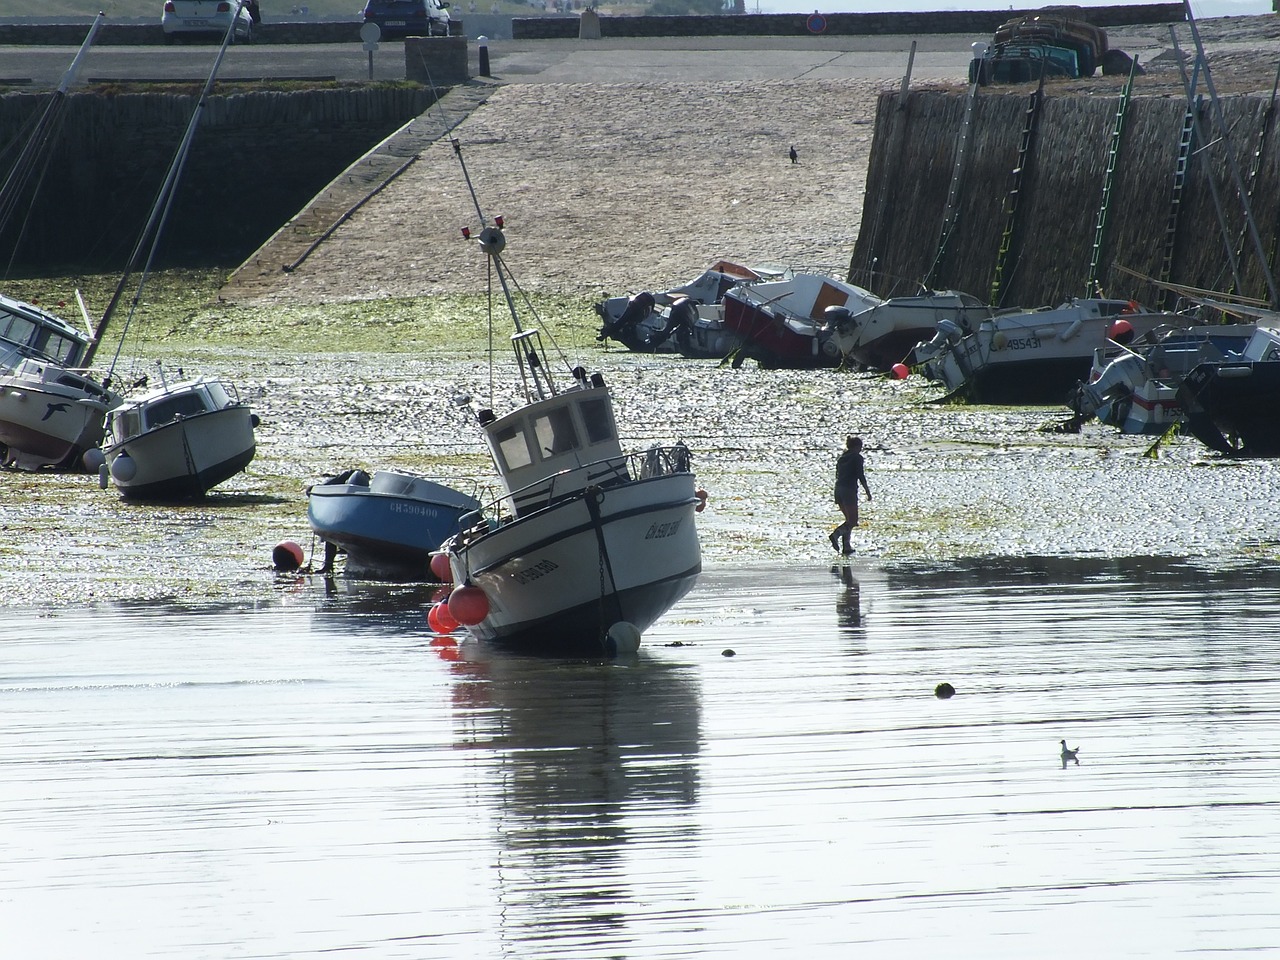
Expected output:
{"points": [[356, 186]]}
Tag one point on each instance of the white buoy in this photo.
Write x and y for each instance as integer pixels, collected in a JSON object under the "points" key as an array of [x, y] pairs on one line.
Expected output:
{"points": [[622, 639], [93, 459], [123, 469]]}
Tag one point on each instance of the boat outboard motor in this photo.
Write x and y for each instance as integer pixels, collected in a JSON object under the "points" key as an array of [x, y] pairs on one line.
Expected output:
{"points": [[683, 313], [836, 318], [947, 331], [638, 307]]}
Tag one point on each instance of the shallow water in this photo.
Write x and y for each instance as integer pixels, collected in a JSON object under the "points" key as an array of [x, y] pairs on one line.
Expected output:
{"points": [[312, 775]]}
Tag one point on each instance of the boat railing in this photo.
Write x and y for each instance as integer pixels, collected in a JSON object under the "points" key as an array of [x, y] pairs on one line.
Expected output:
{"points": [[657, 461]]}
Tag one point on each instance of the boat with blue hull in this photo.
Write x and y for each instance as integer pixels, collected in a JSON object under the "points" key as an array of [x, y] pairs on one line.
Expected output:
{"points": [[387, 524]]}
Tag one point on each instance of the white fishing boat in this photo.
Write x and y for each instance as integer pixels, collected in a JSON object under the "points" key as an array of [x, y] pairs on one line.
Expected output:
{"points": [[179, 441], [1032, 357], [589, 545], [50, 415], [388, 524], [51, 409]]}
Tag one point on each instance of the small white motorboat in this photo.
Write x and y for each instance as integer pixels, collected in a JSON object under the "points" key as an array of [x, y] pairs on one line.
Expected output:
{"points": [[1032, 356], [178, 442]]}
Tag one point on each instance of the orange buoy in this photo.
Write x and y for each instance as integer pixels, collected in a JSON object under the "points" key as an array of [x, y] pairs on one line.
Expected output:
{"points": [[468, 604], [440, 620], [1121, 331], [440, 567], [287, 556]]}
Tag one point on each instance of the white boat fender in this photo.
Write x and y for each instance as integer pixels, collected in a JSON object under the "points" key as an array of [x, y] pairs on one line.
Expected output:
{"points": [[93, 459], [1072, 329], [123, 468], [104, 476], [1044, 333], [622, 639], [999, 340]]}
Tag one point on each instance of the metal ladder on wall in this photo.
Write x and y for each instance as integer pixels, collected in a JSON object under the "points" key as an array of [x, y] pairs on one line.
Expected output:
{"points": [[1113, 155], [1255, 165], [1185, 142], [1004, 256], [950, 216]]}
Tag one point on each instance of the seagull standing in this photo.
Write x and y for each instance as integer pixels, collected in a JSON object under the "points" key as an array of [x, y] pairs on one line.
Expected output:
{"points": [[1069, 754], [795, 157]]}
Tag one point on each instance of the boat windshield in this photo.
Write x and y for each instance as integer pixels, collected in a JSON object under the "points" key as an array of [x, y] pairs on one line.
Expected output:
{"points": [[172, 407], [24, 336]]}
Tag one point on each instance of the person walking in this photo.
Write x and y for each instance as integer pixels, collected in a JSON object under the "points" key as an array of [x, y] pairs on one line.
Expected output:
{"points": [[850, 472]]}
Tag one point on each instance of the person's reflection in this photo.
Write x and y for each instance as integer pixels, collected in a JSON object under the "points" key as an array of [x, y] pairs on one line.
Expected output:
{"points": [[849, 600]]}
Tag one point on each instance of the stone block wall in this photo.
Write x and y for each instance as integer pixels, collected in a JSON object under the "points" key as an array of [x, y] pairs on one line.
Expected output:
{"points": [[256, 160]]}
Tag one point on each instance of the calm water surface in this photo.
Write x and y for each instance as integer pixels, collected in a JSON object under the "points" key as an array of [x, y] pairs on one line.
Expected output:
{"points": [[314, 777]]}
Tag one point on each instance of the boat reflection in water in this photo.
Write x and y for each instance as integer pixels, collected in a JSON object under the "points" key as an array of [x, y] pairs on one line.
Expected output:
{"points": [[810, 791]]}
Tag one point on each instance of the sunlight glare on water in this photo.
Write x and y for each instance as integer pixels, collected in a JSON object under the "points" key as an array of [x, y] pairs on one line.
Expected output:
{"points": [[316, 776]]}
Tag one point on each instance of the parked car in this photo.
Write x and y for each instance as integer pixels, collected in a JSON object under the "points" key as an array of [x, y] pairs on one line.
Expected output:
{"points": [[409, 18], [208, 18]]}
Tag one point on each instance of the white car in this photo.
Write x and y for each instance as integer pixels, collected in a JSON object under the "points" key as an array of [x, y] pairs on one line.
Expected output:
{"points": [[206, 17]]}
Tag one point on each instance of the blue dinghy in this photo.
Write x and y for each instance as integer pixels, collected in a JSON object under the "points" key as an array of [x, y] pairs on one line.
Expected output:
{"points": [[388, 524]]}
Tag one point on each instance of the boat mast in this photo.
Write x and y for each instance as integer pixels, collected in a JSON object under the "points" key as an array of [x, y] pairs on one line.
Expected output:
{"points": [[44, 130], [527, 343], [160, 208]]}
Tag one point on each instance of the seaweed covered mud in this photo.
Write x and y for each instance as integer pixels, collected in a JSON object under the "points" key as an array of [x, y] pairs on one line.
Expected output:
{"points": [[952, 483]]}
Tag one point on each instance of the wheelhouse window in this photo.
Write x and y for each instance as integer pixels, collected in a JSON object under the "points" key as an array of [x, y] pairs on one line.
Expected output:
{"points": [[596, 418], [17, 329], [554, 432], [512, 446]]}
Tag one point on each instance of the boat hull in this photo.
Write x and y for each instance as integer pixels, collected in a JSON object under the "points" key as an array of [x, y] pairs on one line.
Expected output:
{"points": [[48, 423], [1231, 407], [185, 458], [885, 334], [1034, 358], [384, 533], [557, 579], [772, 341]]}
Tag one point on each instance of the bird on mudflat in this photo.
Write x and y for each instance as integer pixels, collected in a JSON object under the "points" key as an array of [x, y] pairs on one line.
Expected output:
{"points": [[795, 157], [1068, 754]]}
